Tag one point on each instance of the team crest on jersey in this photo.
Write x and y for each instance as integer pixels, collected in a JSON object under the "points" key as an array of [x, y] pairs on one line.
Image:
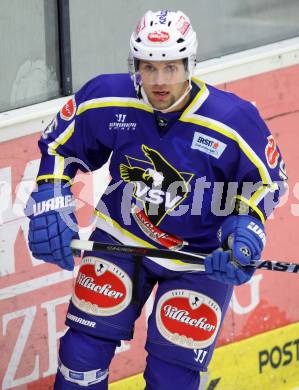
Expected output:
{"points": [[158, 184], [159, 187], [101, 288], [188, 318]]}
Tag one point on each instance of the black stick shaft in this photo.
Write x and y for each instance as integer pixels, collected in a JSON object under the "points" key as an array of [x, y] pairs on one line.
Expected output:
{"points": [[194, 258], [186, 257]]}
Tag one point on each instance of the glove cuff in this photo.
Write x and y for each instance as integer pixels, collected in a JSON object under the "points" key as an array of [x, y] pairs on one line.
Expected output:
{"points": [[234, 222], [49, 198]]}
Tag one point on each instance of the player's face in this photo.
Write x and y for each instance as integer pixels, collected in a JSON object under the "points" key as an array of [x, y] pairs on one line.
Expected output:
{"points": [[164, 82]]}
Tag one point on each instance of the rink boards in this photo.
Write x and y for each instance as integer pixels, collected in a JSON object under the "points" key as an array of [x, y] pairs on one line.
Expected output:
{"points": [[266, 361]]}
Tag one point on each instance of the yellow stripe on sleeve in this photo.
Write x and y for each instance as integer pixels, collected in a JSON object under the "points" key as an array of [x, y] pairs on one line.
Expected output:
{"points": [[253, 206], [60, 140], [52, 176], [113, 102]]}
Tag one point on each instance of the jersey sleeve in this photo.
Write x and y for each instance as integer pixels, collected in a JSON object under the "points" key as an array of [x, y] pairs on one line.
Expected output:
{"points": [[73, 140], [260, 170]]}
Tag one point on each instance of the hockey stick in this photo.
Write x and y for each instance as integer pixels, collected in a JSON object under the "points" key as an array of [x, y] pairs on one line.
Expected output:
{"points": [[186, 257]]}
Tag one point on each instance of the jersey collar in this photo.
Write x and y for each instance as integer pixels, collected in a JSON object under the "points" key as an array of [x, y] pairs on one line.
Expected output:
{"points": [[197, 101]]}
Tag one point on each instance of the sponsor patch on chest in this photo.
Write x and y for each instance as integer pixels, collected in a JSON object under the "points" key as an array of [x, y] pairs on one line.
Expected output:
{"points": [[207, 144]]}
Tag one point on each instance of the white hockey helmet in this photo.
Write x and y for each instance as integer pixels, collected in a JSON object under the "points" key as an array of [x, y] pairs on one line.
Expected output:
{"points": [[162, 36]]}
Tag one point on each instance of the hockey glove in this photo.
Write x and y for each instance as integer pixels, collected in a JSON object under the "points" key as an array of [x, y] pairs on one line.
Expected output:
{"points": [[52, 224], [243, 239]]}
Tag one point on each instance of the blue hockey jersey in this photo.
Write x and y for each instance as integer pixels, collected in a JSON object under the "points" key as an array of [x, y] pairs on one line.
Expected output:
{"points": [[171, 188]]}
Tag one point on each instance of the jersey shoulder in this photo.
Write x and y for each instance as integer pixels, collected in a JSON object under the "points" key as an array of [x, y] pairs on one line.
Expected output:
{"points": [[231, 110], [107, 86], [220, 104]]}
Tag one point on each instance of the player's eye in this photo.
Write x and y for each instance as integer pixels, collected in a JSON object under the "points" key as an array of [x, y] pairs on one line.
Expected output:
{"points": [[148, 68], [170, 68]]}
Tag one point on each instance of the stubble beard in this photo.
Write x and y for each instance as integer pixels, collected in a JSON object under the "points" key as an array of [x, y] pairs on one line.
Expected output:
{"points": [[163, 105]]}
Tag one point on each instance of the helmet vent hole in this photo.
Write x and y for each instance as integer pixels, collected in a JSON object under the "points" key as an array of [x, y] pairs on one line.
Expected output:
{"points": [[163, 55], [183, 49], [169, 23], [135, 49], [150, 54], [151, 23], [180, 40]]}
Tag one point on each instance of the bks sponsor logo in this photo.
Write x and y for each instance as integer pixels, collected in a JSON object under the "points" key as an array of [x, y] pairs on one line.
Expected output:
{"points": [[272, 154], [157, 184], [101, 287], [188, 318], [68, 111], [158, 36], [208, 145]]}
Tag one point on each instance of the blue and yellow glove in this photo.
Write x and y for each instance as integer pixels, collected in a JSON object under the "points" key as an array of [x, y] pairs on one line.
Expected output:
{"points": [[243, 239], [52, 224]]}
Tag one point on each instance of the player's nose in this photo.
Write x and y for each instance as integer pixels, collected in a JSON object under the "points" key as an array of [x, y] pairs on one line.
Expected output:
{"points": [[160, 78]]}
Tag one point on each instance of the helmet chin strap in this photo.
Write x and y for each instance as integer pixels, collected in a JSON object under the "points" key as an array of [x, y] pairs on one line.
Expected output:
{"points": [[168, 109]]}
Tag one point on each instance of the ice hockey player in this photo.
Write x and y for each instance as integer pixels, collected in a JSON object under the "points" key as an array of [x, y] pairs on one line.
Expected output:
{"points": [[177, 148]]}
